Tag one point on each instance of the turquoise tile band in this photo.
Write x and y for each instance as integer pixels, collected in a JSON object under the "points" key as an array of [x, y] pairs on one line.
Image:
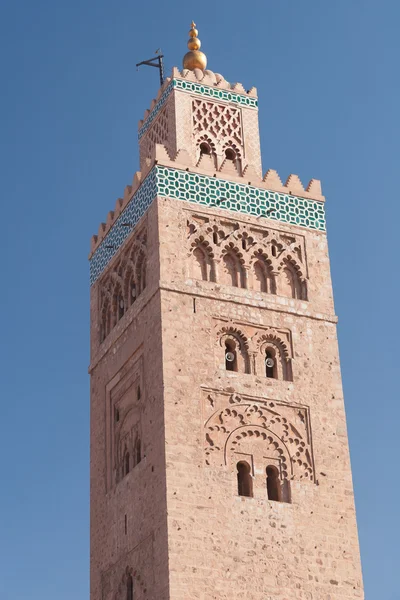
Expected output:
{"points": [[208, 192]]}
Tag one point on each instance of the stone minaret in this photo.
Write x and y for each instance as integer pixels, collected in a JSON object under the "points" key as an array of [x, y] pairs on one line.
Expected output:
{"points": [[219, 455]]}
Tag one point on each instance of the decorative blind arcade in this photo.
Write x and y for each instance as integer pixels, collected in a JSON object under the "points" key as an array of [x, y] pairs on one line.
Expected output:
{"points": [[206, 191]]}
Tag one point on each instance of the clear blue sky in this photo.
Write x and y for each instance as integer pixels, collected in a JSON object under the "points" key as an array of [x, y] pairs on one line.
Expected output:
{"points": [[328, 80]]}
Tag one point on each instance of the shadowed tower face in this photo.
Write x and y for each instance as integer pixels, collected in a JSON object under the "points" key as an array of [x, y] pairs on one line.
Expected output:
{"points": [[219, 453]]}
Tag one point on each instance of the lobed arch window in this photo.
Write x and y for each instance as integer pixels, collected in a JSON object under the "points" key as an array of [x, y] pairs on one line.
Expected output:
{"points": [[263, 278], [232, 154], [290, 282], [276, 362], [233, 270], [236, 357], [205, 148], [203, 264], [244, 479]]}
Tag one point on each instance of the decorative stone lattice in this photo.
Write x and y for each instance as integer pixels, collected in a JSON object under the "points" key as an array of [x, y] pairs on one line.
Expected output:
{"points": [[277, 428], [200, 90], [157, 134], [220, 120]]}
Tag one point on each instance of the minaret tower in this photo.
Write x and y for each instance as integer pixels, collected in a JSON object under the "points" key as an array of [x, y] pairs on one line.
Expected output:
{"points": [[219, 454]]}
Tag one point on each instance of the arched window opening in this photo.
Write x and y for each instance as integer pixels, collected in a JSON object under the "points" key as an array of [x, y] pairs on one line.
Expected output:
{"points": [[230, 356], [230, 154], [274, 490], [244, 244], [215, 237], [260, 276], [127, 463], [129, 588], [200, 271], [121, 307], [244, 479], [270, 365], [205, 148], [290, 284], [231, 270], [273, 249]]}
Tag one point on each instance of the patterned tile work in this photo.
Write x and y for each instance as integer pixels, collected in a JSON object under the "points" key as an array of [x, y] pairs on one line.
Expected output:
{"points": [[210, 191], [214, 92], [206, 191], [123, 226], [156, 109], [201, 90]]}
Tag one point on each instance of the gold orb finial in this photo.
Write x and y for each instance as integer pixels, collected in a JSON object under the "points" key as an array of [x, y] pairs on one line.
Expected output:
{"points": [[194, 59]]}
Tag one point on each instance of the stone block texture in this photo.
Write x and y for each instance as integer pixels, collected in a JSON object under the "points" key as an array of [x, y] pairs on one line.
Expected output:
{"points": [[219, 454]]}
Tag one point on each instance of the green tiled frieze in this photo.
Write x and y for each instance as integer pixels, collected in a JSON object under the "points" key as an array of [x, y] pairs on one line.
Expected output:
{"points": [[206, 191]]}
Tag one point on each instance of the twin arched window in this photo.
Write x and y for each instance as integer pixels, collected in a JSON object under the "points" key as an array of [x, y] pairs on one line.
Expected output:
{"points": [[272, 483], [272, 360]]}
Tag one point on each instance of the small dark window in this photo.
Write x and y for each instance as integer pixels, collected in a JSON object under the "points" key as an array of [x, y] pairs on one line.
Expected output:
{"points": [[245, 481], [270, 365], [273, 484], [230, 154], [129, 588], [244, 243], [215, 237], [230, 356], [273, 250], [205, 148], [139, 394]]}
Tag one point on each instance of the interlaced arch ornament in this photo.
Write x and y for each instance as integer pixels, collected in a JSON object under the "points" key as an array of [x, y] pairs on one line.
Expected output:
{"points": [[119, 288], [262, 259], [268, 428]]}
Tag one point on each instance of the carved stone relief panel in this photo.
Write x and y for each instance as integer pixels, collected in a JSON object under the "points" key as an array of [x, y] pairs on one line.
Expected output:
{"points": [[269, 431], [124, 407], [242, 255]]}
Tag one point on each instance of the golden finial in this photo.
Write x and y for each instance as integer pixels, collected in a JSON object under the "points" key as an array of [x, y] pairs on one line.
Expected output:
{"points": [[194, 59]]}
